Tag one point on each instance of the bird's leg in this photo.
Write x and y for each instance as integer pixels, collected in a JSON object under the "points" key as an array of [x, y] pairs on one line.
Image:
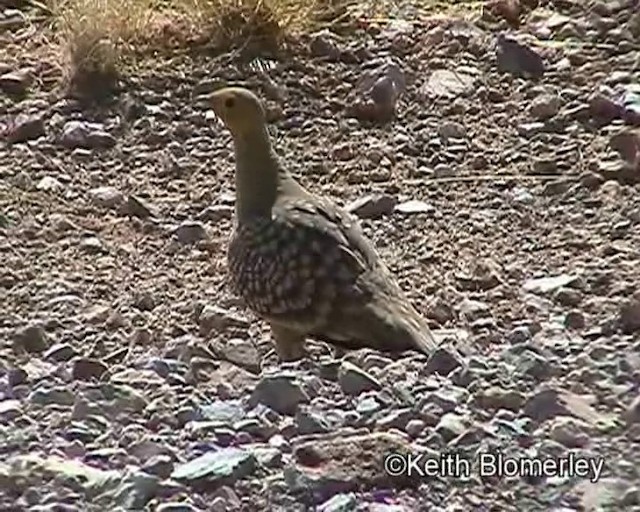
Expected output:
{"points": [[289, 343]]}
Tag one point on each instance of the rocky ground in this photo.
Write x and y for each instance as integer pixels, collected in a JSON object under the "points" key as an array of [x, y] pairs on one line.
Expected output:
{"points": [[503, 193]]}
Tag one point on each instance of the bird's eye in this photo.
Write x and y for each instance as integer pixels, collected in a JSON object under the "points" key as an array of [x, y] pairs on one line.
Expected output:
{"points": [[229, 102]]}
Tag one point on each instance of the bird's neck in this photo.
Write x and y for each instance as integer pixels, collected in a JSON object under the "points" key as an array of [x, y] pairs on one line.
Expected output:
{"points": [[258, 175]]}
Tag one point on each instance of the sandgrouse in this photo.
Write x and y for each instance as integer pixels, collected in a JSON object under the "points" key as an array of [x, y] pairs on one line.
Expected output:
{"points": [[299, 261]]}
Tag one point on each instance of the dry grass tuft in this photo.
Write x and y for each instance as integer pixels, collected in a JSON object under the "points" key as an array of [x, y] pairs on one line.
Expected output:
{"points": [[96, 35]]}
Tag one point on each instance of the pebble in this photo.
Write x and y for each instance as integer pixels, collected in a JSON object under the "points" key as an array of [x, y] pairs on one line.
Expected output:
{"points": [[135, 206], [451, 425], [629, 316], [544, 285], [280, 392], [569, 432], [32, 339], [190, 232], [243, 353], [450, 83], [80, 134], [25, 127], [496, 397], [16, 83], [518, 59], [373, 206], [443, 361], [354, 380], [88, 369], [49, 184], [414, 206], [106, 197], [92, 245], [545, 107], [451, 130]]}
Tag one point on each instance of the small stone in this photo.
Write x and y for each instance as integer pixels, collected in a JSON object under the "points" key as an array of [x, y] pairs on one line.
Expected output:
{"points": [[545, 107], [98, 314], [549, 284], [52, 396], [106, 197], [373, 206], [451, 425], [323, 45], [243, 353], [49, 184], [10, 410], [25, 127], [80, 134], [629, 316], [60, 352], [549, 403], [569, 432], [16, 83], [339, 503], [92, 245], [216, 213], [414, 206], [100, 140], [377, 93], [575, 320], [528, 130], [226, 464], [214, 319], [159, 465], [354, 380], [32, 339], [190, 232], [556, 187], [397, 419], [451, 130], [450, 83], [591, 180], [415, 427], [280, 392], [135, 206], [443, 361], [17, 377], [509, 10], [496, 397], [473, 310], [518, 59], [310, 422], [88, 369], [632, 414], [568, 296], [544, 165]]}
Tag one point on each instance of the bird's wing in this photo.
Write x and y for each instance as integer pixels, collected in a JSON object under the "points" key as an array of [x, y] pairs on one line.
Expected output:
{"points": [[331, 224]]}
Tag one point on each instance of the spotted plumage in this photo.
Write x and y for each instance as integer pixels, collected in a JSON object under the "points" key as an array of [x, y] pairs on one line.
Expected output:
{"points": [[301, 262]]}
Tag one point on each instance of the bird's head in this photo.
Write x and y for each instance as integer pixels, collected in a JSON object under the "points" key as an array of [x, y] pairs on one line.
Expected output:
{"points": [[239, 109]]}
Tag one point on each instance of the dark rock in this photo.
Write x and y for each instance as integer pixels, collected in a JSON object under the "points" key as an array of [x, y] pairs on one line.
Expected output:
{"points": [[280, 392], [518, 59], [373, 206], [354, 380], [24, 127], [32, 339]]}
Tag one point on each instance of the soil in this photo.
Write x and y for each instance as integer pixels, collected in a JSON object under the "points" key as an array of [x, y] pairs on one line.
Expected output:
{"points": [[501, 187]]}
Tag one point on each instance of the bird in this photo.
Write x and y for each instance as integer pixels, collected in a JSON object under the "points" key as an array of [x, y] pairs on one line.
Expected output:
{"points": [[298, 260]]}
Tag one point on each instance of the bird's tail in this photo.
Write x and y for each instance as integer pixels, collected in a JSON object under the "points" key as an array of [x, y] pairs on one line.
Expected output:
{"points": [[389, 327]]}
